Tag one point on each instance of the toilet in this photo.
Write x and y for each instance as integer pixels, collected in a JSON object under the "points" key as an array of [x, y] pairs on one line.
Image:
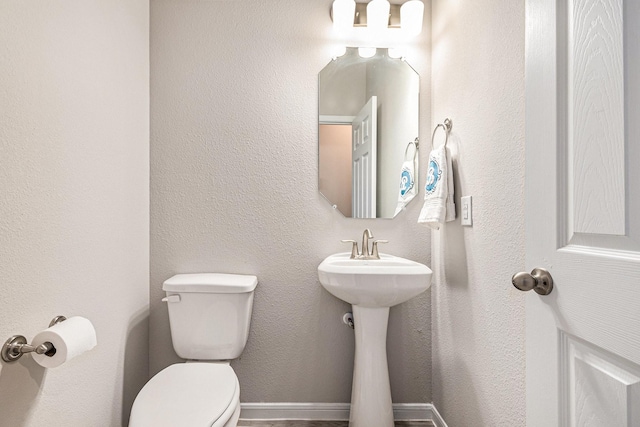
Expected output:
{"points": [[209, 315]]}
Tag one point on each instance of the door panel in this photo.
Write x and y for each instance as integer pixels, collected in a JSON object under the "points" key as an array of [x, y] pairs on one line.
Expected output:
{"points": [[593, 139], [595, 120], [364, 158], [599, 388]]}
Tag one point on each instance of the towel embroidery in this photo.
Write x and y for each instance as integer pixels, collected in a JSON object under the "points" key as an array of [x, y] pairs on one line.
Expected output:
{"points": [[433, 176], [406, 182]]}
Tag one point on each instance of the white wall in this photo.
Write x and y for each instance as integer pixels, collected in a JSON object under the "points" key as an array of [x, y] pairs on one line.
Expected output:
{"points": [[74, 78], [478, 317], [344, 88], [397, 87], [234, 189]]}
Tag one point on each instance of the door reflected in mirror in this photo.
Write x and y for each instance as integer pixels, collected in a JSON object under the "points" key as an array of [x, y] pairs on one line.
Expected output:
{"points": [[368, 130]]}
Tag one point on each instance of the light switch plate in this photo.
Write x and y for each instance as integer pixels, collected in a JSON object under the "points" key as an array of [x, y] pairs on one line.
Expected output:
{"points": [[466, 213]]}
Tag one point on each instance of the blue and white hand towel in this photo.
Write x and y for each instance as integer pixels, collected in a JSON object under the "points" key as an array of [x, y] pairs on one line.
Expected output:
{"points": [[408, 188], [439, 206]]}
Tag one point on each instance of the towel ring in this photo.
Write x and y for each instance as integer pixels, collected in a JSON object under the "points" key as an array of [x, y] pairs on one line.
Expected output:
{"points": [[416, 142], [448, 124]]}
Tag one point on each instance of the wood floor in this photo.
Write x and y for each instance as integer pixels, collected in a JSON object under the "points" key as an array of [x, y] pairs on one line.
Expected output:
{"points": [[298, 423]]}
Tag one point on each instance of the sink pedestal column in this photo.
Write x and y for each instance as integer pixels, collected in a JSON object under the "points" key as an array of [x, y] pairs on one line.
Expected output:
{"points": [[371, 392]]}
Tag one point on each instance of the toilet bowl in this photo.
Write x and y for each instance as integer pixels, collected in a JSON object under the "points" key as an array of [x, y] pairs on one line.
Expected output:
{"points": [[210, 315], [189, 394]]}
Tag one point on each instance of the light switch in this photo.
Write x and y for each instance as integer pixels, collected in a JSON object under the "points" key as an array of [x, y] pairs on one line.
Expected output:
{"points": [[466, 211]]}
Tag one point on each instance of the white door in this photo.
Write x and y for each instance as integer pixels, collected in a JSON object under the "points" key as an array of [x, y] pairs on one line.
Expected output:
{"points": [[364, 158], [583, 212]]}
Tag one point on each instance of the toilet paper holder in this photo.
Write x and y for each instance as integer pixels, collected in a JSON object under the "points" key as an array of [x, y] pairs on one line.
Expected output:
{"points": [[17, 345]]}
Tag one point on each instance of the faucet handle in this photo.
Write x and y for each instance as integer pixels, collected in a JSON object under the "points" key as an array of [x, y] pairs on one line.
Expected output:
{"points": [[354, 248], [374, 248]]}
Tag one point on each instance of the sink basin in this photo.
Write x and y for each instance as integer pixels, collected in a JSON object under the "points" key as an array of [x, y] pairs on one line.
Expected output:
{"points": [[372, 287], [386, 282]]}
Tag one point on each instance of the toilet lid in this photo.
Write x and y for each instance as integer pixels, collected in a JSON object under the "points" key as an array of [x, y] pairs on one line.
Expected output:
{"points": [[185, 394]]}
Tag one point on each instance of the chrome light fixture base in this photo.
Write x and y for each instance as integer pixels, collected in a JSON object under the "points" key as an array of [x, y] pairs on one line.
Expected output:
{"points": [[360, 17]]}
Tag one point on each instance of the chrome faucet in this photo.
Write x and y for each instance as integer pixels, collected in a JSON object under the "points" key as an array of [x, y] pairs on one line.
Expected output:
{"points": [[365, 254]]}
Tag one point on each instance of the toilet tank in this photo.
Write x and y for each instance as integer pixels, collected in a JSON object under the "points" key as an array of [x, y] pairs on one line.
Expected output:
{"points": [[209, 314]]}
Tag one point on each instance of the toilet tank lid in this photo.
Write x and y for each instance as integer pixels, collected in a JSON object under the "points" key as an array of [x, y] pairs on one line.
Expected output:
{"points": [[211, 283]]}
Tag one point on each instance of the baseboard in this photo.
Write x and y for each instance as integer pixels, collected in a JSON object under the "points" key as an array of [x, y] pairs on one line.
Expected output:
{"points": [[295, 411], [333, 412], [436, 418]]}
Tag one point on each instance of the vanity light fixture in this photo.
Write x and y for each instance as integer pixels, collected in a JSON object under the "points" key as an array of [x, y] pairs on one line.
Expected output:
{"points": [[378, 16]]}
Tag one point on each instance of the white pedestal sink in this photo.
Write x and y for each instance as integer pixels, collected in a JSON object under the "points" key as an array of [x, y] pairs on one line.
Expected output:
{"points": [[372, 287]]}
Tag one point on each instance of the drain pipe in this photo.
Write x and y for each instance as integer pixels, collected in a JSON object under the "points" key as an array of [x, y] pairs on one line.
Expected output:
{"points": [[347, 319]]}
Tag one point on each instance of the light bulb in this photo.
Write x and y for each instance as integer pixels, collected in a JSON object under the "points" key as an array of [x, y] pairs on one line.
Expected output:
{"points": [[366, 52], [395, 53], [338, 51], [378, 15], [343, 13], [411, 14]]}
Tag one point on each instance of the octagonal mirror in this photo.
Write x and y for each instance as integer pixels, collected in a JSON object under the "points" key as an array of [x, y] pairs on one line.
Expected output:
{"points": [[368, 133]]}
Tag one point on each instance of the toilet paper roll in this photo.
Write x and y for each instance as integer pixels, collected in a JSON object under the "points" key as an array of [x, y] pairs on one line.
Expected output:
{"points": [[70, 338]]}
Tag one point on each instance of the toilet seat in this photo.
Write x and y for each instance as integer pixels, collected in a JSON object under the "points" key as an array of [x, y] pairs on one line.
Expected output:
{"points": [[188, 394]]}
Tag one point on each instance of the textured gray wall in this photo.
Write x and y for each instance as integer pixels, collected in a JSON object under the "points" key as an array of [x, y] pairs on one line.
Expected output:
{"points": [[74, 210], [234, 189], [478, 316]]}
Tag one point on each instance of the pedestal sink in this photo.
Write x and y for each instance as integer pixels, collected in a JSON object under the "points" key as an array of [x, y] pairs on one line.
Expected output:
{"points": [[372, 287]]}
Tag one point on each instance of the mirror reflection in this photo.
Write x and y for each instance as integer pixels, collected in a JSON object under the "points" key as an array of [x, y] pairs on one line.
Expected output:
{"points": [[368, 133]]}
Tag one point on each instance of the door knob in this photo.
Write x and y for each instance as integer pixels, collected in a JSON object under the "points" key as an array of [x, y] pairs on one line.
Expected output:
{"points": [[539, 280]]}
